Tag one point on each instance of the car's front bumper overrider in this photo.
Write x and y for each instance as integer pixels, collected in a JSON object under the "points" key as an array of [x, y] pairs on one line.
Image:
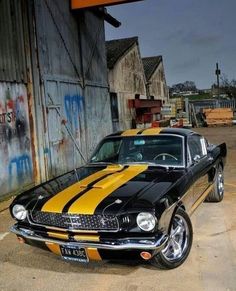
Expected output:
{"points": [[155, 243]]}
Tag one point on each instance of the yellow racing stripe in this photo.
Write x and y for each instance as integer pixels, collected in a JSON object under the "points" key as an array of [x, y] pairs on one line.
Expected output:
{"points": [[130, 132], [152, 131], [57, 202], [87, 203]]}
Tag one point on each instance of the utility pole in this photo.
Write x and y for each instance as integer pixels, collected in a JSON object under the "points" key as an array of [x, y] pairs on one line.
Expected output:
{"points": [[218, 72]]}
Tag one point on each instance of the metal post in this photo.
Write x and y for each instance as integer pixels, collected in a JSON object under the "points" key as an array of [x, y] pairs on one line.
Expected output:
{"points": [[218, 72]]}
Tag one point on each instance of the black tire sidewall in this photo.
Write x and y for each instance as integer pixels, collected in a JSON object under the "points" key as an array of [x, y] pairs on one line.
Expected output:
{"points": [[159, 259], [219, 169]]}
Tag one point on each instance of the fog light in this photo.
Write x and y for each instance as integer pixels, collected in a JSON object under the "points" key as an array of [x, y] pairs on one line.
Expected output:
{"points": [[145, 255]]}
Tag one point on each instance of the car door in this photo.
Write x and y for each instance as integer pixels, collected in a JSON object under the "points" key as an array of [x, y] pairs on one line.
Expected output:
{"points": [[199, 164]]}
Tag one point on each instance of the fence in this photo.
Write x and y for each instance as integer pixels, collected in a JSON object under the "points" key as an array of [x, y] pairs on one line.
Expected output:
{"points": [[214, 103]]}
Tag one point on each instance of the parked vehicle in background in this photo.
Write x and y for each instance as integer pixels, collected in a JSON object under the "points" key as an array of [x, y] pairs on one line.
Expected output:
{"points": [[132, 200]]}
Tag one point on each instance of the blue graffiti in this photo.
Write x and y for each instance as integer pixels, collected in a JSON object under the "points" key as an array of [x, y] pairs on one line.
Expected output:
{"points": [[23, 167], [73, 107]]}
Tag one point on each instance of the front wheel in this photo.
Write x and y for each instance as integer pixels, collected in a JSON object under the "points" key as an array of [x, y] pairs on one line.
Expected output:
{"points": [[179, 244]]}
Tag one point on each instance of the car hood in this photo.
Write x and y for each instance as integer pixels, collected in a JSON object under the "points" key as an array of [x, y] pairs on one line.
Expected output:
{"points": [[96, 189]]}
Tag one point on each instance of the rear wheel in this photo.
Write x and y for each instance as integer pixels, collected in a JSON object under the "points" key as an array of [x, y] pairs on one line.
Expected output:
{"points": [[217, 193], [179, 244]]}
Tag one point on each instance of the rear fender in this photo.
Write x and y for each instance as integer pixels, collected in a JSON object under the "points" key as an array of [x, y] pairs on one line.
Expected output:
{"points": [[223, 153]]}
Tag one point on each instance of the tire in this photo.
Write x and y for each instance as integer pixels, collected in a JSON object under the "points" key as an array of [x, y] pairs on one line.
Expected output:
{"points": [[217, 193], [182, 227]]}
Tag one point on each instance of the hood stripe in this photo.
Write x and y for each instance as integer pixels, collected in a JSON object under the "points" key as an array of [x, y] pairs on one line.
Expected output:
{"points": [[57, 202], [88, 203], [90, 186]]}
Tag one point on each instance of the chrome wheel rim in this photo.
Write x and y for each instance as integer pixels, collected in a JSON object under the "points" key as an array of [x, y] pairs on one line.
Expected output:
{"points": [[178, 240], [220, 183]]}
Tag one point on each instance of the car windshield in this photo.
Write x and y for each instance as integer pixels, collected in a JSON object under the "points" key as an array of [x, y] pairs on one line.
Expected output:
{"points": [[166, 150]]}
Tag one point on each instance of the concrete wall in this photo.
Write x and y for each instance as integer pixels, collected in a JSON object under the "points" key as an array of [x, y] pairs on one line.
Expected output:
{"points": [[157, 84], [127, 79]]}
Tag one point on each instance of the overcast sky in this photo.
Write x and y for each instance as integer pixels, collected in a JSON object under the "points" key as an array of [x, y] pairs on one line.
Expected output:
{"points": [[191, 35]]}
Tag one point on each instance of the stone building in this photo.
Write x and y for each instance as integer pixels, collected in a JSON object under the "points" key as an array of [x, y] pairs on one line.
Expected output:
{"points": [[126, 79], [155, 77]]}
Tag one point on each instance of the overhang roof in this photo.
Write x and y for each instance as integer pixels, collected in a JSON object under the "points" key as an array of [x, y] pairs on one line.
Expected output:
{"points": [[117, 48], [150, 65]]}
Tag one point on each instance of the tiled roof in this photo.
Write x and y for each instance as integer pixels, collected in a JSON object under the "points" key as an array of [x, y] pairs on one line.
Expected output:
{"points": [[116, 49], [150, 65]]}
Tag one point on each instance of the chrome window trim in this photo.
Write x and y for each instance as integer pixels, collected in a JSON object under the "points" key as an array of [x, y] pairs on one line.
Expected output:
{"points": [[188, 149]]}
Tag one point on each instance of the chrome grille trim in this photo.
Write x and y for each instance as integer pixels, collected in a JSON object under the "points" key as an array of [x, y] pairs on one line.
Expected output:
{"points": [[72, 222]]}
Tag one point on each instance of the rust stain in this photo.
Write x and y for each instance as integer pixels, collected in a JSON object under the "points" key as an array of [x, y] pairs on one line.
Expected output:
{"points": [[32, 130]]}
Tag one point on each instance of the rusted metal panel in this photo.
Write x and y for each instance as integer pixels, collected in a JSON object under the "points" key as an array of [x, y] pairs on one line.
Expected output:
{"points": [[12, 50], [15, 140]]}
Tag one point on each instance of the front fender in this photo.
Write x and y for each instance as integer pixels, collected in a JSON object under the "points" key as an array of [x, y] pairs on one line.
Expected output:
{"points": [[165, 221]]}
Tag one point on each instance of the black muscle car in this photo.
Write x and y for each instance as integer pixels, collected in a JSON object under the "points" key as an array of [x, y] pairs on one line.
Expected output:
{"points": [[132, 200]]}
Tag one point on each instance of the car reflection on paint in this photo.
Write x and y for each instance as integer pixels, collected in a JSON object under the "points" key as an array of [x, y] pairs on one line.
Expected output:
{"points": [[133, 200]]}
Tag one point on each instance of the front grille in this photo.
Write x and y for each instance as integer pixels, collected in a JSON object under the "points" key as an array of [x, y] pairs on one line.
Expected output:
{"points": [[76, 222]]}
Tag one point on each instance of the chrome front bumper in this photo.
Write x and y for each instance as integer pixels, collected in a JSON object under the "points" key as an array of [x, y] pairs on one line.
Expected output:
{"points": [[156, 243]]}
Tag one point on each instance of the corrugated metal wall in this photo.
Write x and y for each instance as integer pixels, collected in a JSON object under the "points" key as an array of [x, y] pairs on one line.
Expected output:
{"points": [[12, 51], [16, 166], [52, 62]]}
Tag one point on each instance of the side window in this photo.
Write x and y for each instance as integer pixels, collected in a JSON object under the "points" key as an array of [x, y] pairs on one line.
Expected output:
{"points": [[107, 152], [204, 146], [195, 144]]}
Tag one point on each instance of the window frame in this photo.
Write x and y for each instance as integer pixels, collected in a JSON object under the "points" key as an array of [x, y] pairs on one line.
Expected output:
{"points": [[183, 164]]}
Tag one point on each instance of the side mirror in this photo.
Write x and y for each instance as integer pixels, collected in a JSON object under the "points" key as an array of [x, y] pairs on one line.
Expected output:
{"points": [[196, 159]]}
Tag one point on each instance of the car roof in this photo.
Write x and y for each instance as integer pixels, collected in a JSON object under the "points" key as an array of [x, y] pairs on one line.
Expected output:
{"points": [[153, 131]]}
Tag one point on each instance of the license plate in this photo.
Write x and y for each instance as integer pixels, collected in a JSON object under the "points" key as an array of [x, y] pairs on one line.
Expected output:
{"points": [[74, 254]]}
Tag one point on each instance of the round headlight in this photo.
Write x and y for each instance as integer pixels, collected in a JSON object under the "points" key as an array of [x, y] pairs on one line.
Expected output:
{"points": [[19, 212], [146, 221]]}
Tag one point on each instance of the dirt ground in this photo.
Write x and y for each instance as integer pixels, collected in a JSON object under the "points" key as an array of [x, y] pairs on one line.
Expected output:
{"points": [[210, 266]]}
